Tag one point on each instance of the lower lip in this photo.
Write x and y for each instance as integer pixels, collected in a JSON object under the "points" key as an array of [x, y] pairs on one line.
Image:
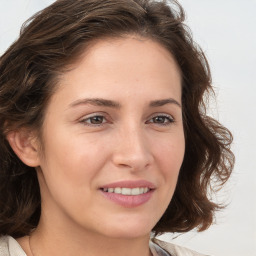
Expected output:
{"points": [[128, 201]]}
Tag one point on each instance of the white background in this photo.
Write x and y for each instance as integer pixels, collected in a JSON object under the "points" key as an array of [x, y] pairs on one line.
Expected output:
{"points": [[226, 30]]}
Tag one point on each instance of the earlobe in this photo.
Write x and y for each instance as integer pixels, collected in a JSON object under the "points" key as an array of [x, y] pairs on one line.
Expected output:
{"points": [[24, 144]]}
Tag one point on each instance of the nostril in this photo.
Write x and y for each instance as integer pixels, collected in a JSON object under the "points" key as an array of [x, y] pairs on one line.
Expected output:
{"points": [[132, 161]]}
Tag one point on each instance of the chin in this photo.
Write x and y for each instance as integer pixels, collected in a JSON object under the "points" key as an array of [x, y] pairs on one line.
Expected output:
{"points": [[129, 229], [128, 234]]}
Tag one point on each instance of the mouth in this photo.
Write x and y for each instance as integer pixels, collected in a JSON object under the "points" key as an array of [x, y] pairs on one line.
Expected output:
{"points": [[127, 191]]}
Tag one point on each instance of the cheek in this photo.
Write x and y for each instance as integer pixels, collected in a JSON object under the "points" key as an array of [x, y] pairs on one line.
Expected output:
{"points": [[169, 156], [72, 160], [170, 151]]}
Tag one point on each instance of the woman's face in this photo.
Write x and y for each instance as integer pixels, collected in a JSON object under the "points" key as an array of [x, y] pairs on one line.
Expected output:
{"points": [[113, 140]]}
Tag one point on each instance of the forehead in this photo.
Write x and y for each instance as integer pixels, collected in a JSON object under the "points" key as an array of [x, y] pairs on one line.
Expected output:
{"points": [[126, 65], [129, 51]]}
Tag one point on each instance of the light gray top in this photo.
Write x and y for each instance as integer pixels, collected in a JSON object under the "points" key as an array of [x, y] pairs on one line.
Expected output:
{"points": [[10, 247]]}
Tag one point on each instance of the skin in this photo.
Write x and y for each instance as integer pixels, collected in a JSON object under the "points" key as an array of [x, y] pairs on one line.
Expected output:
{"points": [[130, 139]]}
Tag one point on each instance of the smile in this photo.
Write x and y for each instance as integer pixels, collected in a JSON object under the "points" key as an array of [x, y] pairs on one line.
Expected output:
{"points": [[127, 191]]}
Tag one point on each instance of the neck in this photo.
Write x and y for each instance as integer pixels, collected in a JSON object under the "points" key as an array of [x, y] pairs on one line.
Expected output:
{"points": [[66, 243]]}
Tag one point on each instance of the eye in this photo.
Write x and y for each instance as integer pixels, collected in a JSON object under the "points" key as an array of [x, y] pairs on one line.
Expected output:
{"points": [[95, 120], [161, 119]]}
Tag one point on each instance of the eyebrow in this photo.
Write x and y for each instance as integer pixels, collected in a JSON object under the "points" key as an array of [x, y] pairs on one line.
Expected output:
{"points": [[160, 103], [96, 102], [117, 105]]}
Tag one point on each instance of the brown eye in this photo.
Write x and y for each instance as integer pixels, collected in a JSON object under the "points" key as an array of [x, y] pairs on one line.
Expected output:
{"points": [[94, 120], [161, 120]]}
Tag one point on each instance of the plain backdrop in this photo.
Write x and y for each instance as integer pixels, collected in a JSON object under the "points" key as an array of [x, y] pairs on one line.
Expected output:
{"points": [[226, 31]]}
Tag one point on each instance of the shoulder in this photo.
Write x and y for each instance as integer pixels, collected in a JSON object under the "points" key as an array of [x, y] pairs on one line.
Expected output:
{"points": [[4, 251], [10, 247], [175, 250]]}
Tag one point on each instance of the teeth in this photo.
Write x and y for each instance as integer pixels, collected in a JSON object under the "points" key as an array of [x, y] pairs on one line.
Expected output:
{"points": [[111, 190], [118, 190], [135, 191], [146, 190], [127, 191]]}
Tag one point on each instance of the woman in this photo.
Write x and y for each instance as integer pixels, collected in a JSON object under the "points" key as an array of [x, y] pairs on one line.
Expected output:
{"points": [[104, 133]]}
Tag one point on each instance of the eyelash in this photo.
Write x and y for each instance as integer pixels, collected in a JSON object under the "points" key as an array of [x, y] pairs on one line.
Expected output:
{"points": [[168, 119], [85, 120]]}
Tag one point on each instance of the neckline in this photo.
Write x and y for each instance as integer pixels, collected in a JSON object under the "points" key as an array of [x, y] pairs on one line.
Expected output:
{"points": [[16, 250]]}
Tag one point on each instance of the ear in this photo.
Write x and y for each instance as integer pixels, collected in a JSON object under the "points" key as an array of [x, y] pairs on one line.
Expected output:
{"points": [[25, 145]]}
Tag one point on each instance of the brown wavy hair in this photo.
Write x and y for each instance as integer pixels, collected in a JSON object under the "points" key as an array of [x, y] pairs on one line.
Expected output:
{"points": [[53, 39]]}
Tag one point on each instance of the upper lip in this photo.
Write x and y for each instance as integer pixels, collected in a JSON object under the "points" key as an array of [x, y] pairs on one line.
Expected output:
{"points": [[130, 184]]}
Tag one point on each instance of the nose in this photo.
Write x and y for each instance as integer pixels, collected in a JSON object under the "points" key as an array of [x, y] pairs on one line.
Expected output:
{"points": [[132, 150]]}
